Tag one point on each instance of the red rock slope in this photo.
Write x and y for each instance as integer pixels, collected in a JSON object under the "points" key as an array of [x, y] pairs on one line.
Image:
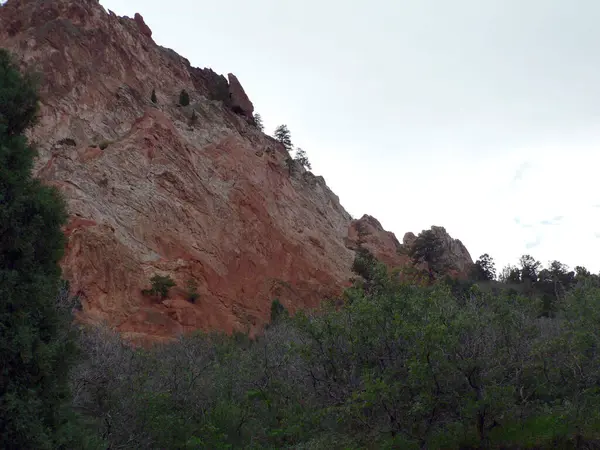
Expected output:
{"points": [[151, 192]]}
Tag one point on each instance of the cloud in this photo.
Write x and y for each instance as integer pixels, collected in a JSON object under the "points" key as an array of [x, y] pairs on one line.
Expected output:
{"points": [[533, 244], [554, 221], [520, 172], [597, 235]]}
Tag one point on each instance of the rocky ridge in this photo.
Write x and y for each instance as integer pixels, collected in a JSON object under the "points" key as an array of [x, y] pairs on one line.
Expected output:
{"points": [[151, 191]]}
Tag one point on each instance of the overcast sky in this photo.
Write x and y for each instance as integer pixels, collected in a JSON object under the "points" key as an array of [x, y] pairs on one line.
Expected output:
{"points": [[482, 116]]}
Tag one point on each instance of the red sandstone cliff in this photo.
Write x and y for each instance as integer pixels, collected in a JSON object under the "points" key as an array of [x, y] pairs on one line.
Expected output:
{"points": [[151, 192]]}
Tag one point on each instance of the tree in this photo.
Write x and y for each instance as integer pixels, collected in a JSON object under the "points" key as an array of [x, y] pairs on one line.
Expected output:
{"points": [[160, 286], [36, 347], [484, 268], [302, 158], [510, 275], [184, 98], [153, 96], [259, 122], [283, 135], [529, 269], [278, 311], [428, 248]]}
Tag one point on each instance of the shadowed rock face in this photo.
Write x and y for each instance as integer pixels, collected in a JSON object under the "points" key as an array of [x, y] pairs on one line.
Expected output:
{"points": [[149, 193], [239, 100]]}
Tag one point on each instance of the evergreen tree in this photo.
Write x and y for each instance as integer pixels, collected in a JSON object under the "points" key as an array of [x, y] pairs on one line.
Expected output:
{"points": [[36, 351], [484, 269], [259, 122], [283, 135], [302, 158], [184, 98], [428, 248], [153, 96]]}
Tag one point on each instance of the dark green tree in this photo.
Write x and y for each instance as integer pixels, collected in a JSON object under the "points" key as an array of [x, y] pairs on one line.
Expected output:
{"points": [[259, 122], [510, 275], [529, 269], [428, 248], [184, 98], [302, 158], [484, 269], [160, 286], [278, 311], [36, 349], [283, 135], [153, 97]]}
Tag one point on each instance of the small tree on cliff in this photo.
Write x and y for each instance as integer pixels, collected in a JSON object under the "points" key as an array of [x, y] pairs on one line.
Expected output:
{"points": [[283, 135], [36, 346], [259, 122], [160, 286], [184, 98], [428, 249], [153, 98], [302, 158]]}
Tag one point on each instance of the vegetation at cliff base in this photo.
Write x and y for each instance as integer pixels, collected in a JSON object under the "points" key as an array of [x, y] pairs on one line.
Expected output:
{"points": [[448, 364]]}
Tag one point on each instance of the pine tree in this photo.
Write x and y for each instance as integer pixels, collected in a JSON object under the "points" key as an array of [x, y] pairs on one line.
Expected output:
{"points": [[153, 98], [36, 351], [259, 122], [302, 158], [184, 98], [283, 135]]}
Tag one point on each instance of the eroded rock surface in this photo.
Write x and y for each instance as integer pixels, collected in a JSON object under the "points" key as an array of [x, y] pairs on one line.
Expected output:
{"points": [[149, 192]]}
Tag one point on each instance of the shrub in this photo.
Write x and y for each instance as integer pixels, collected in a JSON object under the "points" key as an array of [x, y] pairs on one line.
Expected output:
{"points": [[153, 98], [104, 144], [184, 98], [160, 286], [278, 311], [192, 291]]}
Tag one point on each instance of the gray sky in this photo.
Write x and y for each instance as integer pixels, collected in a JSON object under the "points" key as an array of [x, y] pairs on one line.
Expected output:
{"points": [[482, 116]]}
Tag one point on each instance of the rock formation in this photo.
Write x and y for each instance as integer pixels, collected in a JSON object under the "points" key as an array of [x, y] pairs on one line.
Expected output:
{"points": [[239, 100], [149, 192]]}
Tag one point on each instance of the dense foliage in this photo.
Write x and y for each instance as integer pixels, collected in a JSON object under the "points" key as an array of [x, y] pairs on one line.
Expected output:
{"points": [[396, 366], [36, 349]]}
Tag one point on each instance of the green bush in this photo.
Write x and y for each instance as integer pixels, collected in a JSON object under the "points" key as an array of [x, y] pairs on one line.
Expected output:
{"points": [[184, 98], [153, 98], [445, 366], [160, 286]]}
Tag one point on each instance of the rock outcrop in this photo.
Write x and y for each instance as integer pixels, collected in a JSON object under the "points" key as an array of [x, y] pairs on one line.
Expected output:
{"points": [[368, 233], [151, 192], [239, 100], [455, 256]]}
